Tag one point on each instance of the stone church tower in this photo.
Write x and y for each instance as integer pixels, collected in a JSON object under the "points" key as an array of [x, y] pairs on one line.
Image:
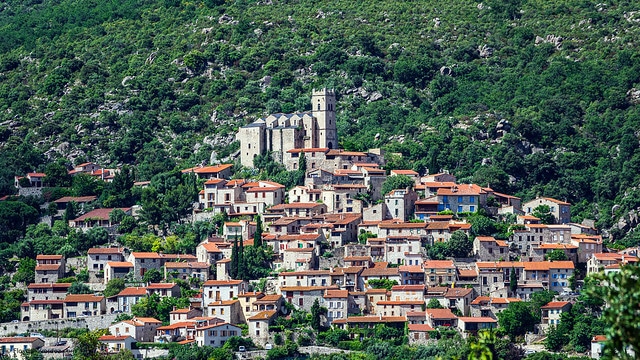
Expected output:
{"points": [[323, 104], [279, 133]]}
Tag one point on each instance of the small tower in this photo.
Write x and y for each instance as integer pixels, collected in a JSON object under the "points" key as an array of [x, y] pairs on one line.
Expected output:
{"points": [[323, 104]]}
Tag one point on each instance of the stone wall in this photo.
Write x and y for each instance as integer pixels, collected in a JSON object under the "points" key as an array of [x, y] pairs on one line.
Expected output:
{"points": [[89, 322]]}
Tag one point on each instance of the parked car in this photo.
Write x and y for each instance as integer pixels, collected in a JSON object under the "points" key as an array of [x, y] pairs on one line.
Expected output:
{"points": [[242, 349]]}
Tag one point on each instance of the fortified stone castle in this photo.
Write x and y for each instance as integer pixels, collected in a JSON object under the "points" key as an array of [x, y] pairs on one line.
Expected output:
{"points": [[279, 133]]}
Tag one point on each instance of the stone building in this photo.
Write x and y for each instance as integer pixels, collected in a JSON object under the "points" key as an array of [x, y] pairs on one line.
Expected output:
{"points": [[278, 133]]}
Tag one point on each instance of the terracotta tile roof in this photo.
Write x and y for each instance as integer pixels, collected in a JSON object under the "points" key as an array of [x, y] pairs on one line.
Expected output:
{"points": [[547, 265], [99, 214], [352, 269], [481, 300], [178, 325], [420, 327], [404, 225], [133, 291], [371, 319], [145, 255], [83, 298], [486, 238], [263, 189], [306, 150], [556, 246], [222, 282], [186, 265], [181, 311], [380, 271], [49, 286], [400, 302], [48, 267], [438, 225], [49, 257], [120, 264], [376, 291], [263, 315], [467, 272], [559, 202], [305, 273], [461, 190], [18, 340], [457, 292], [208, 169], [214, 181], [421, 314], [408, 288], [555, 305], [148, 320], [268, 299], [299, 250], [223, 302], [439, 264], [440, 314], [78, 199], [303, 288], [211, 247], [357, 258], [297, 205], [154, 286], [330, 294], [484, 319], [405, 172], [340, 152], [599, 338], [411, 269], [105, 251]]}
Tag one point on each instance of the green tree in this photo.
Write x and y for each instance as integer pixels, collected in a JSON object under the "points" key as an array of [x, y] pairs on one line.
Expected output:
{"points": [[543, 212], [86, 346], [257, 236], [619, 290], [26, 272], [434, 304], [235, 260], [79, 288], [57, 175], [396, 182], [556, 255], [316, 314], [513, 281], [517, 319], [114, 286], [459, 245], [152, 276], [382, 283]]}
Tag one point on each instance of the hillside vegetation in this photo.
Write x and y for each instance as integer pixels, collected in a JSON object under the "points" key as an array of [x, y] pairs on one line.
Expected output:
{"points": [[530, 97]]}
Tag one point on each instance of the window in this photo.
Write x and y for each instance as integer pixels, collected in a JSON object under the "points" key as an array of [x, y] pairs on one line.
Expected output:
{"points": [[460, 199], [472, 208], [472, 199], [459, 208]]}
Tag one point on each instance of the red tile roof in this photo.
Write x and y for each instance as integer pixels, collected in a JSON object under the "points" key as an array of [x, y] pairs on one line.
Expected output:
{"points": [[49, 257], [133, 291], [105, 251], [78, 199], [99, 214]]}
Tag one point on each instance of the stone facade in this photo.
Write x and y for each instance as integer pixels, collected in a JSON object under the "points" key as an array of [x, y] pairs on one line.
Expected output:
{"points": [[279, 133]]}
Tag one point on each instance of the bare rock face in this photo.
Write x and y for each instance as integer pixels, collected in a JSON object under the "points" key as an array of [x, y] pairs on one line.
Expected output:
{"points": [[550, 39], [633, 96], [485, 51], [503, 125]]}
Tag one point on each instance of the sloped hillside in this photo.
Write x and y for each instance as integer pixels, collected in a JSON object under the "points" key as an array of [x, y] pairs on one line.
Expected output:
{"points": [[530, 97]]}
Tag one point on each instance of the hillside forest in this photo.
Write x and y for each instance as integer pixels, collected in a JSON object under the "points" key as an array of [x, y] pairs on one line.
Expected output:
{"points": [[528, 97]]}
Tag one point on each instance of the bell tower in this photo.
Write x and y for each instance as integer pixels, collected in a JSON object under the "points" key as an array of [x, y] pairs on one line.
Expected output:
{"points": [[323, 104]]}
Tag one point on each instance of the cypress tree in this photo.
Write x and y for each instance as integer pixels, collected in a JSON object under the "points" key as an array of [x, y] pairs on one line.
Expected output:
{"points": [[233, 268], [242, 264], [257, 236]]}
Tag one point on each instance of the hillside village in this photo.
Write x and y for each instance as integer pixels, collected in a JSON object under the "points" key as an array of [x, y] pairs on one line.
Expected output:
{"points": [[355, 245]]}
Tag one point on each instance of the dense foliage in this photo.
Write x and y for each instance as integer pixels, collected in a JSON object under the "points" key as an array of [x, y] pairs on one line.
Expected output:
{"points": [[541, 93]]}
